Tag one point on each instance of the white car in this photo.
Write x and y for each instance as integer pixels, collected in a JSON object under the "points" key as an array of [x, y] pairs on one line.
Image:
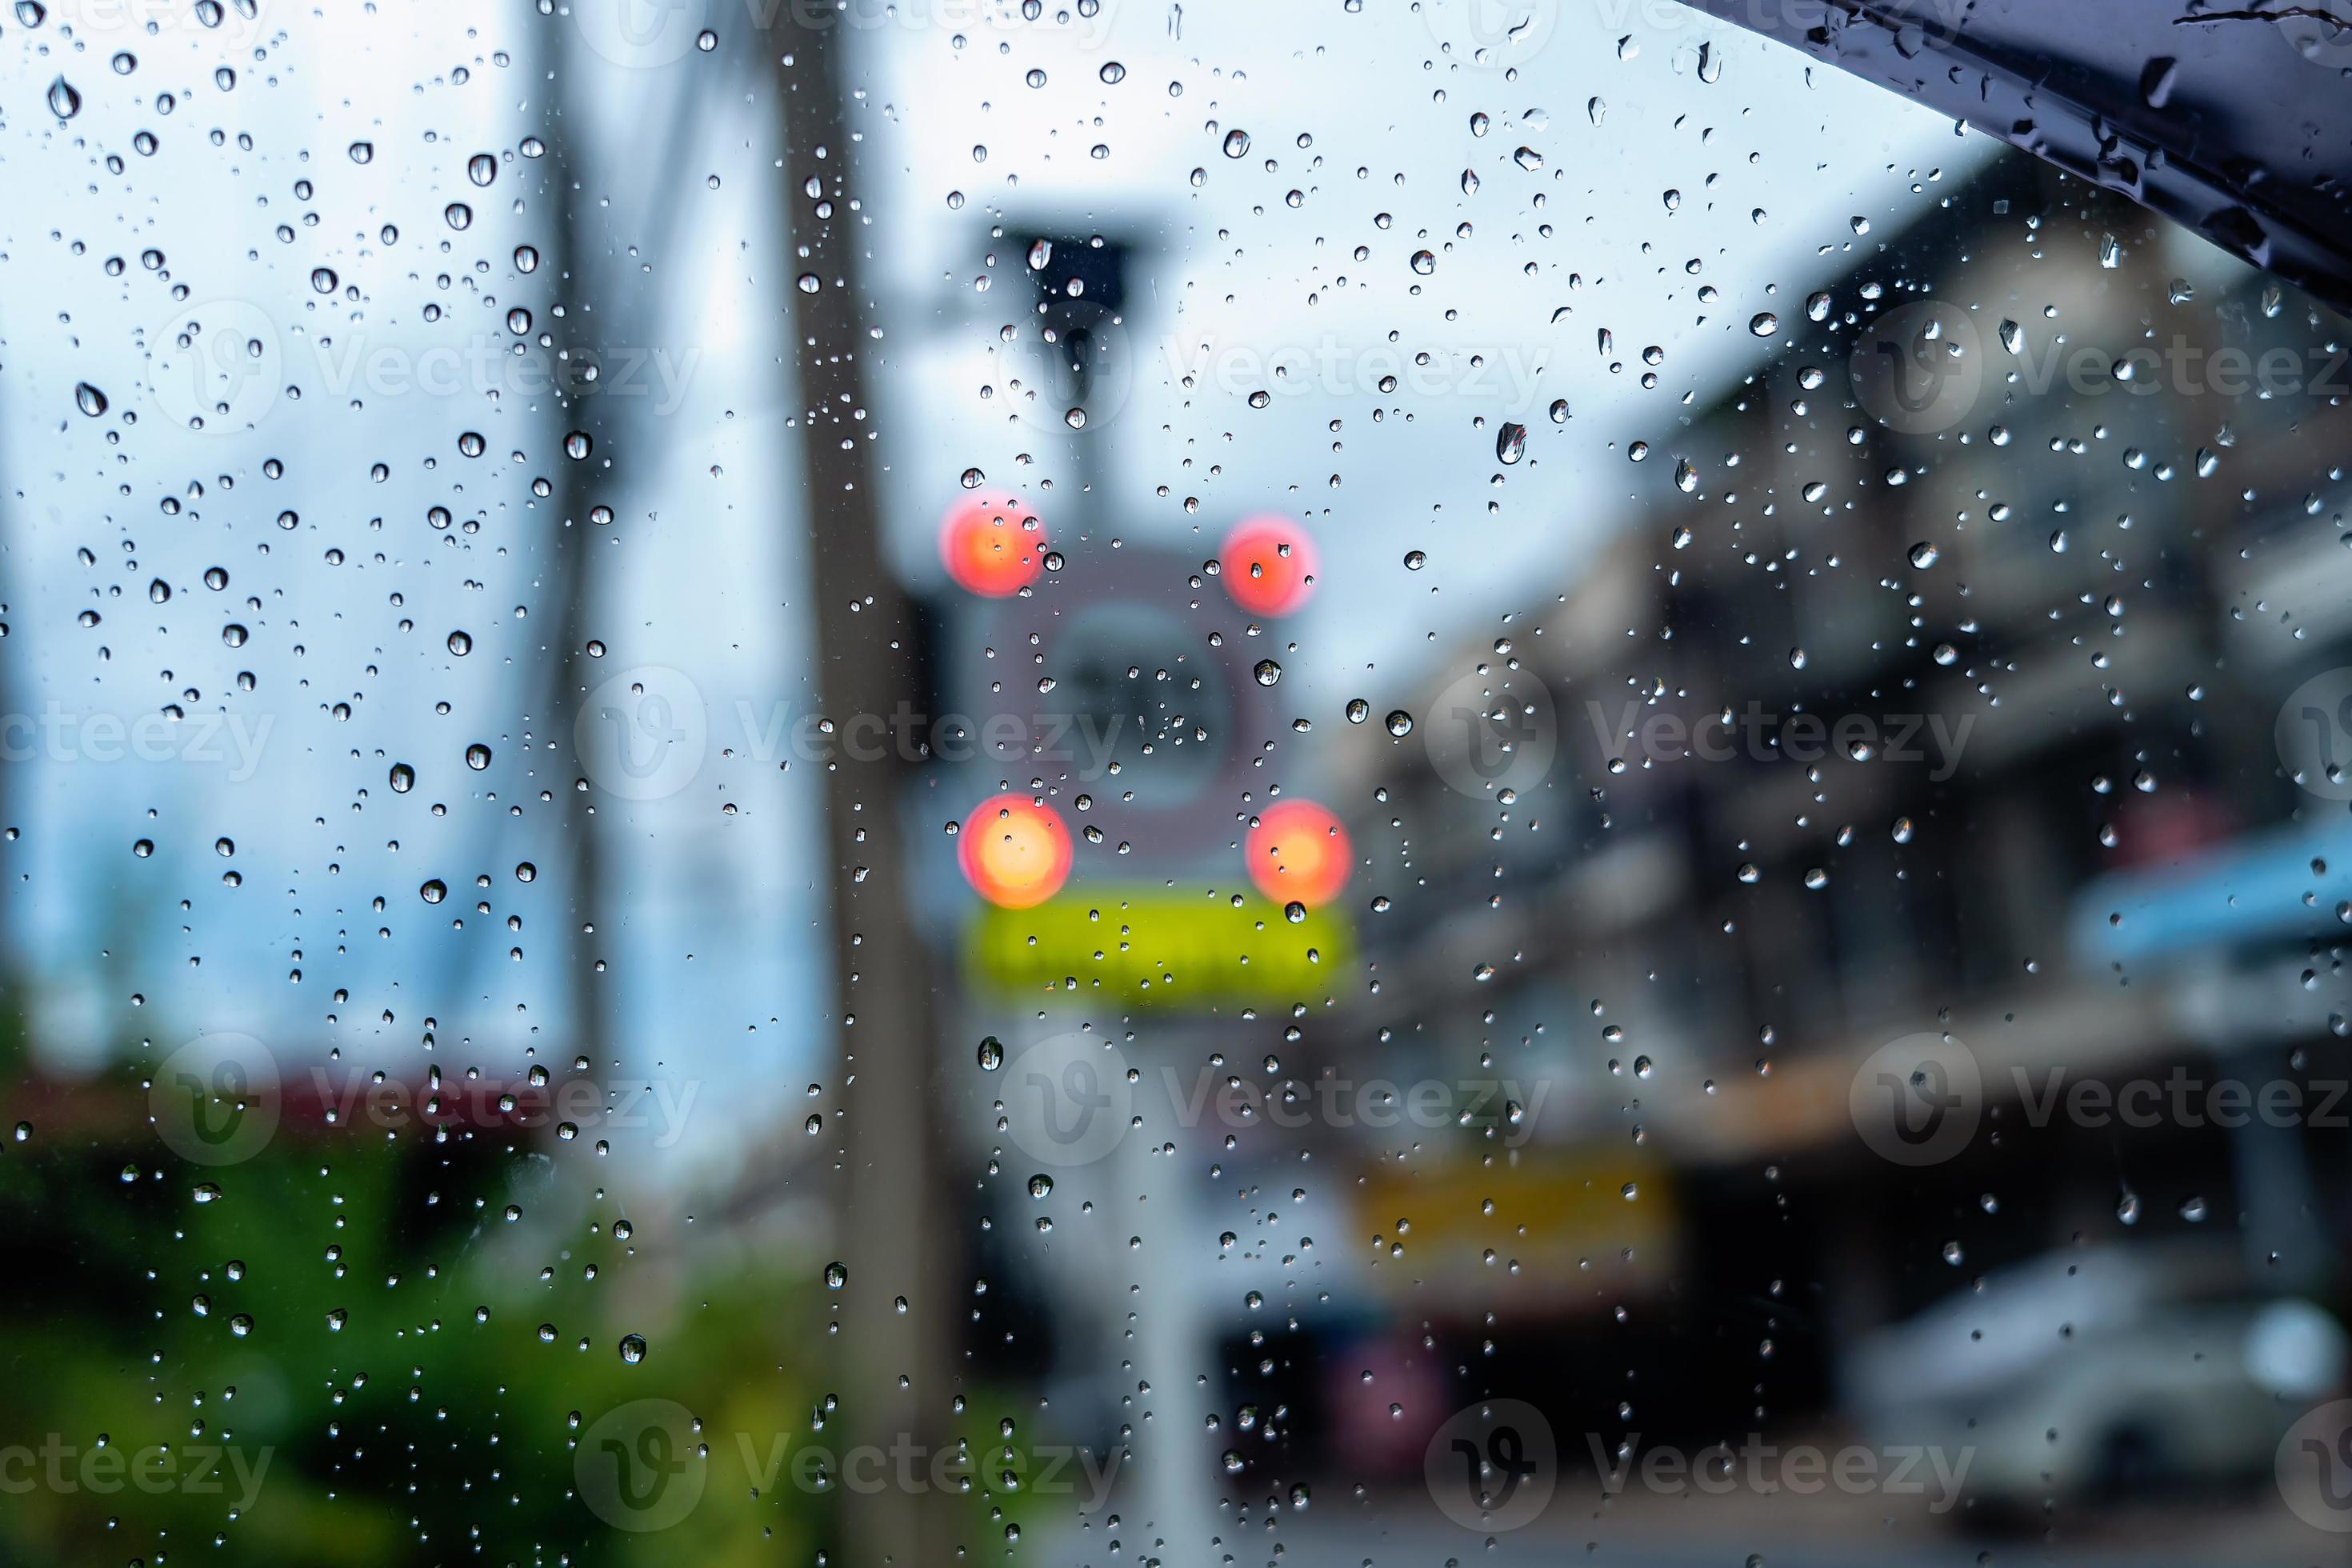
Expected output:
{"points": [[2098, 1371]]}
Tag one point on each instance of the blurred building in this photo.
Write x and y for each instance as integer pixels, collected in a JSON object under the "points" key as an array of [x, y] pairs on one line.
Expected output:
{"points": [[1858, 733]]}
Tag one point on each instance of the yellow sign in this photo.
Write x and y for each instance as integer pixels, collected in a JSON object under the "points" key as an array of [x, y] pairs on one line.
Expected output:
{"points": [[1577, 1227], [1147, 947]]}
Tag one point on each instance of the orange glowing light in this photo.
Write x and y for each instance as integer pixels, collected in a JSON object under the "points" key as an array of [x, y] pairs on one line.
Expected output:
{"points": [[992, 546], [1299, 852], [1015, 852], [1269, 565]]}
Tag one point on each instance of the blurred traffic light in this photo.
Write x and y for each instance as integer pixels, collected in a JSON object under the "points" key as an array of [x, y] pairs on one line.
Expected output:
{"points": [[1269, 564], [1299, 852], [992, 546], [1015, 852]]}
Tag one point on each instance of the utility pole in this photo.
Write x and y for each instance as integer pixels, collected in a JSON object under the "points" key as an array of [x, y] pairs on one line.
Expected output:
{"points": [[885, 1213]]}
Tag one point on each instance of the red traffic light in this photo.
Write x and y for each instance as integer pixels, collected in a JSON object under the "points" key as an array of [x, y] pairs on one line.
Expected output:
{"points": [[1015, 852], [992, 546], [1299, 852], [1269, 564]]}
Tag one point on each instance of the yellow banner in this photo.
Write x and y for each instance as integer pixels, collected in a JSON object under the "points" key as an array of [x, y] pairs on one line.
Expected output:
{"points": [[1147, 947]]}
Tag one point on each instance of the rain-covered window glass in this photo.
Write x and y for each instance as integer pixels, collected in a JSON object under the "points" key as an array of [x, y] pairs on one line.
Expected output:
{"points": [[1095, 781]]}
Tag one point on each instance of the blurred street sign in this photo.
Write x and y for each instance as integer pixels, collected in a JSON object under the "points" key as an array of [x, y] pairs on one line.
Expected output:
{"points": [[1150, 947], [1564, 1221]]}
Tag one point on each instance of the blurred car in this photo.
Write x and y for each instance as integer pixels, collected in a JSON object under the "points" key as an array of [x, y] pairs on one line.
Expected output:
{"points": [[2098, 1374]]}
